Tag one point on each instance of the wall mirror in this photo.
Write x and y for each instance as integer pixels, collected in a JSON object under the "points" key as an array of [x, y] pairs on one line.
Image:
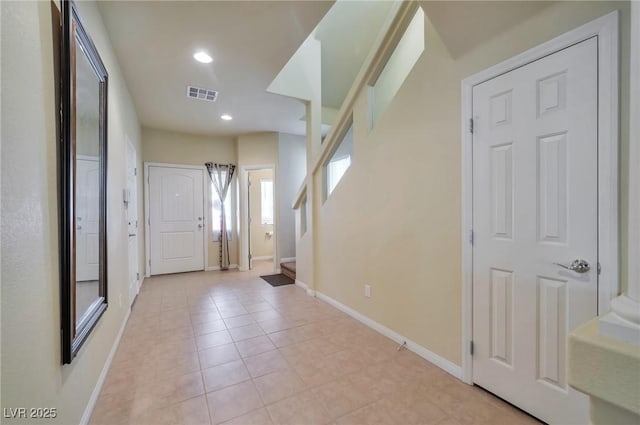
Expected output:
{"points": [[83, 184]]}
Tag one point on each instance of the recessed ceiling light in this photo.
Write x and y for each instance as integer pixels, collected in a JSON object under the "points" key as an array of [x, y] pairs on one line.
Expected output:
{"points": [[226, 117], [202, 57]]}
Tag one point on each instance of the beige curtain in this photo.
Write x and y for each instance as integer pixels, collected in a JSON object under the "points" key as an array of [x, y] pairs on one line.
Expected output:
{"points": [[221, 175]]}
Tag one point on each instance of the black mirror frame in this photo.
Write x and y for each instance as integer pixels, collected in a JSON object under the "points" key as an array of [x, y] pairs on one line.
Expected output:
{"points": [[73, 336]]}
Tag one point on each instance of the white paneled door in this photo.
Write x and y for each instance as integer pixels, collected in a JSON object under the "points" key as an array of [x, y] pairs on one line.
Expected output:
{"points": [[87, 219], [535, 222], [176, 215]]}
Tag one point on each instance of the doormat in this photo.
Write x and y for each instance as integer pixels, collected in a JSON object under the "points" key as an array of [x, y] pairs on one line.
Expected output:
{"points": [[278, 279]]}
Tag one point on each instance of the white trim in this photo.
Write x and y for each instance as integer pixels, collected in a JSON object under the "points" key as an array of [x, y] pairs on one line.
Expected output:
{"points": [[306, 288], [217, 268], [288, 259], [243, 235], [426, 354], [606, 29], [147, 203], [91, 404], [263, 257]]}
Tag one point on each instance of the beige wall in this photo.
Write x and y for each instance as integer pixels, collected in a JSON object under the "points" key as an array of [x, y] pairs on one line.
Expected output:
{"points": [[256, 149], [396, 214], [292, 168], [261, 243], [32, 374], [188, 149]]}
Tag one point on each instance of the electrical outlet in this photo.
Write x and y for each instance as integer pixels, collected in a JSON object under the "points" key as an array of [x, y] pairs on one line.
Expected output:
{"points": [[367, 291]]}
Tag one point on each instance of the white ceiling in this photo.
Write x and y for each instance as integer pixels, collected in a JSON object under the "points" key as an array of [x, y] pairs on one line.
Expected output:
{"points": [[465, 25], [250, 42]]}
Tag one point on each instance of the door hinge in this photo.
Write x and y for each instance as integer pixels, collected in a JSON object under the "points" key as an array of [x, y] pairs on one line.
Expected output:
{"points": [[599, 268], [471, 236], [471, 347], [471, 125], [135, 171], [137, 276], [149, 263], [149, 221]]}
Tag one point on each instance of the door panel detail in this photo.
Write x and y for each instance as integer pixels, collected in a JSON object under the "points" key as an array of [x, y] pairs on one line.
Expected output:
{"points": [[501, 315], [551, 94], [552, 188], [502, 191], [501, 109], [552, 331]]}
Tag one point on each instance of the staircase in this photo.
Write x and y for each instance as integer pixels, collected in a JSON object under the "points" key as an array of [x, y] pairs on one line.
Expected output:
{"points": [[289, 269]]}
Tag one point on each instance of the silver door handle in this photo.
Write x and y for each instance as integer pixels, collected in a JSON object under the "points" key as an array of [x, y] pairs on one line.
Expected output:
{"points": [[132, 234], [578, 266]]}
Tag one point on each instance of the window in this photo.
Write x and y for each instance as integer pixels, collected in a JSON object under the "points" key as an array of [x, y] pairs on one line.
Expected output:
{"points": [[266, 201], [395, 71], [215, 214], [335, 171], [339, 162]]}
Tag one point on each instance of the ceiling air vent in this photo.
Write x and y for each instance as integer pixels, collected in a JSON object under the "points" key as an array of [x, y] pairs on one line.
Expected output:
{"points": [[202, 94]]}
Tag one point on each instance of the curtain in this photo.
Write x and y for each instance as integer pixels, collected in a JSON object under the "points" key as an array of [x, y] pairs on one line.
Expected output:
{"points": [[221, 175]]}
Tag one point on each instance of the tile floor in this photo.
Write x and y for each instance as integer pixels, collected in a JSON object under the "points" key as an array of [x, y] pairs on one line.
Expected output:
{"points": [[225, 347]]}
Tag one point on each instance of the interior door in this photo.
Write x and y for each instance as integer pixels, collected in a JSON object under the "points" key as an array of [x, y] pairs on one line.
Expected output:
{"points": [[132, 221], [534, 205], [87, 219], [176, 217]]}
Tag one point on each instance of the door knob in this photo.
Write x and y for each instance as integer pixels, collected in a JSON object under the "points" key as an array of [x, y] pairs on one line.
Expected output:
{"points": [[578, 266], [199, 226]]}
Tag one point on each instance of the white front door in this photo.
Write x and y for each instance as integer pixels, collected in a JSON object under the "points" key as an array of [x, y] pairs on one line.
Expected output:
{"points": [[132, 221], [176, 216], [87, 219], [535, 204]]}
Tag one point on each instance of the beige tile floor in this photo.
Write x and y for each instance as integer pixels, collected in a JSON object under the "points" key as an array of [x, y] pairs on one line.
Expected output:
{"points": [[226, 347]]}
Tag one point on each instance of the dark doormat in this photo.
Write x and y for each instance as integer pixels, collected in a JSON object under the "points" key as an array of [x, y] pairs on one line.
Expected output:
{"points": [[278, 279]]}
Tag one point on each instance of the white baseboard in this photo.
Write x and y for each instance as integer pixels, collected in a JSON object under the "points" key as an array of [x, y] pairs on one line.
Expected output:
{"points": [[304, 286], [216, 268], [430, 356], [264, 257], [140, 282], [103, 375], [287, 259]]}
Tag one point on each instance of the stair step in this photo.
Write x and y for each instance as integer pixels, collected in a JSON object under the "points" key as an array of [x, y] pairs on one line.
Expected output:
{"points": [[289, 269]]}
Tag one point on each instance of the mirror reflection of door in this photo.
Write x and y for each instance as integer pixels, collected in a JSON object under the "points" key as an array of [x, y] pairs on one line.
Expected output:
{"points": [[87, 191], [132, 219]]}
